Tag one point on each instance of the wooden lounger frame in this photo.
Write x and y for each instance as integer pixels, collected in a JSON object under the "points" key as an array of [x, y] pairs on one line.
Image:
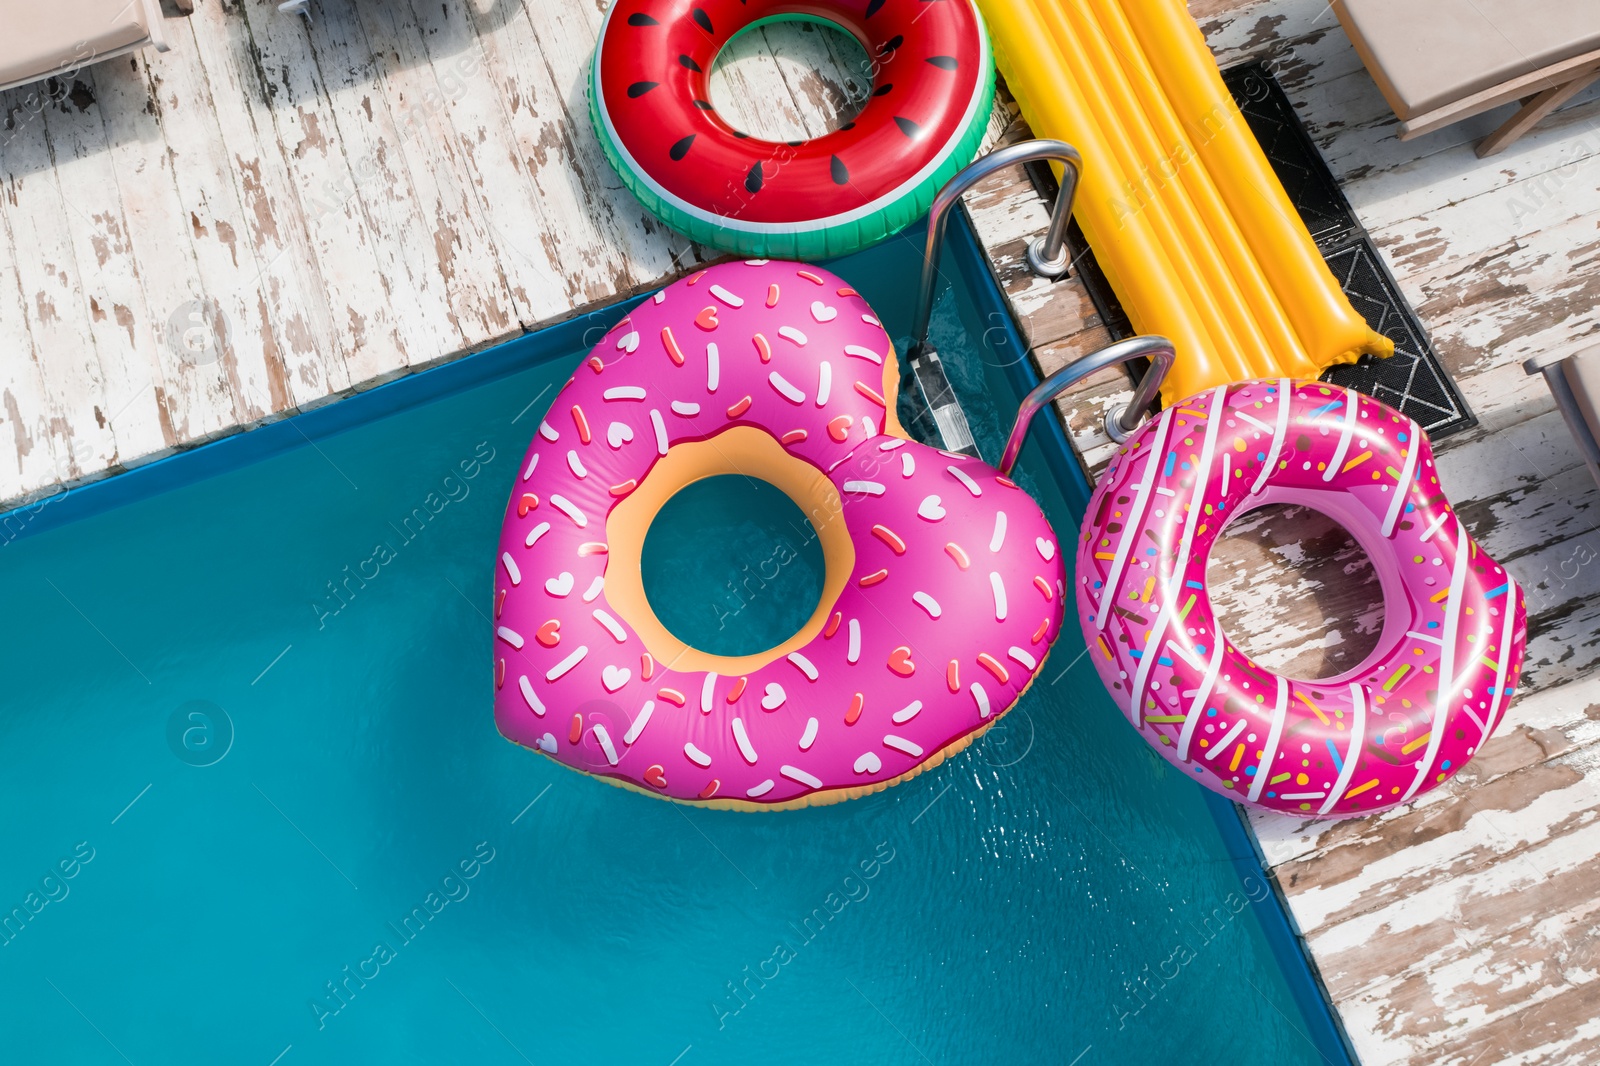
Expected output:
{"points": [[1541, 92]]}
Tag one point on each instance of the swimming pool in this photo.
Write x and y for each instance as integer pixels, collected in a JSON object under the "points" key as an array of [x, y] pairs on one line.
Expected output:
{"points": [[260, 812]]}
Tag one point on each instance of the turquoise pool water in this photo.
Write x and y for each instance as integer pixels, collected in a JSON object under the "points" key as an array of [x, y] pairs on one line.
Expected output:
{"points": [[258, 810]]}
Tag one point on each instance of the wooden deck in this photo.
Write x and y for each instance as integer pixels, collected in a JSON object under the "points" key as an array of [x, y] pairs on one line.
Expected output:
{"points": [[1464, 929], [276, 214]]}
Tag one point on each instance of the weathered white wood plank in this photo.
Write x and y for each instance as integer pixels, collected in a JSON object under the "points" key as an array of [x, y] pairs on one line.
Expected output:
{"points": [[47, 272], [364, 132], [107, 278], [456, 244], [822, 83], [545, 283], [23, 419], [249, 237], [538, 57], [365, 287]]}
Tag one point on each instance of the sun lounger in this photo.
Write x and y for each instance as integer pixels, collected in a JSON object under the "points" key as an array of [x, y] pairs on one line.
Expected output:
{"points": [[57, 39], [1440, 61], [1574, 381]]}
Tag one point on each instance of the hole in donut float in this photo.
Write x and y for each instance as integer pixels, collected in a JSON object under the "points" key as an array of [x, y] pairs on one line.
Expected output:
{"points": [[1295, 591], [792, 79], [732, 566]]}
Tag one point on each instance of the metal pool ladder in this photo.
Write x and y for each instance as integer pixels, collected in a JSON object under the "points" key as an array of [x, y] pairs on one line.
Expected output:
{"points": [[1047, 257]]}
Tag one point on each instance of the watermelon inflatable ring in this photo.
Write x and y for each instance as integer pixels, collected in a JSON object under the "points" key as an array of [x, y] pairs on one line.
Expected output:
{"points": [[649, 95]]}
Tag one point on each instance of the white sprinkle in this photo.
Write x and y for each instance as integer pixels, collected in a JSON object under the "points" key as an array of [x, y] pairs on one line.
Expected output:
{"points": [[707, 691], [863, 353], [761, 789], [661, 431], [604, 738], [713, 367], [611, 625], [908, 464], [822, 312], [560, 668], [999, 597], [1168, 492], [535, 533], [796, 774], [868, 488], [624, 392], [869, 320], [889, 446], [809, 736], [640, 722], [905, 714], [773, 697], [561, 504], [999, 537], [804, 664], [757, 262], [869, 426], [685, 410], [534, 703], [726, 297], [575, 464], [532, 462], [510, 636], [659, 297], [628, 342], [961, 476], [854, 651], [1023, 657], [595, 588], [743, 740], [789, 333], [548, 432], [824, 382], [786, 390], [1433, 528], [983, 700], [696, 756], [927, 603], [511, 568], [897, 743]]}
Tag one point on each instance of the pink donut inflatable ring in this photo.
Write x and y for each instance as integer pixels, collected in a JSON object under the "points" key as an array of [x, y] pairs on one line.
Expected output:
{"points": [[1447, 660], [943, 587]]}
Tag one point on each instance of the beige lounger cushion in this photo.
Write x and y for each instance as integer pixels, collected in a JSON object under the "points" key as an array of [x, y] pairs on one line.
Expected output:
{"points": [[41, 38], [1425, 54]]}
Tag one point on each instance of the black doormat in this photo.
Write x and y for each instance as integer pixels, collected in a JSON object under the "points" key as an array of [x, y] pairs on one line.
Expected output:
{"points": [[1412, 381]]}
